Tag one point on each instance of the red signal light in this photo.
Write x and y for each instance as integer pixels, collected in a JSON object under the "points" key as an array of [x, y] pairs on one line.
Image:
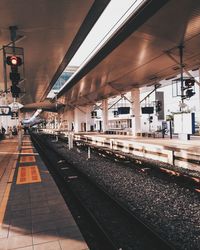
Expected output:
{"points": [[14, 60]]}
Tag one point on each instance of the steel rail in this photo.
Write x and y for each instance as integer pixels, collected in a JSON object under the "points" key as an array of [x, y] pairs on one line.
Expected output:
{"points": [[110, 244]]}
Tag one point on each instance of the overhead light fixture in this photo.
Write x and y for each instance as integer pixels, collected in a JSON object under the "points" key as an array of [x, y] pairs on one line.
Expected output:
{"points": [[113, 17]]}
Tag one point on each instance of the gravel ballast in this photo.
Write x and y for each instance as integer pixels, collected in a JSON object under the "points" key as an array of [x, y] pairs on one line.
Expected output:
{"points": [[170, 209]]}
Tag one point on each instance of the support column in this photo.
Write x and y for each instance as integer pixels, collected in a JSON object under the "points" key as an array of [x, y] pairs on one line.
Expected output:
{"points": [[105, 114], [76, 121], [199, 90], [70, 120], [21, 116], [136, 120], [55, 122], [89, 119], [79, 119]]}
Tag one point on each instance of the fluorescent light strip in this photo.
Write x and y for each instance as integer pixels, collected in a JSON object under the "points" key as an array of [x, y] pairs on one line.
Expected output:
{"points": [[116, 8], [108, 24]]}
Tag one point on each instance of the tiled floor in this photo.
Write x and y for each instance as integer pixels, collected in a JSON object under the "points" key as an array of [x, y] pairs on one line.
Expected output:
{"points": [[33, 216]]}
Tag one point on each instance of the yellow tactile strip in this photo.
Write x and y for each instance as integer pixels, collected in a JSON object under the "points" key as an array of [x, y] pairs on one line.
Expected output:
{"points": [[27, 151], [28, 175], [27, 147], [4, 202], [27, 158]]}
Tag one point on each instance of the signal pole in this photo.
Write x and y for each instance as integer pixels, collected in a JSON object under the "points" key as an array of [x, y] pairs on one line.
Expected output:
{"points": [[13, 36], [182, 66]]}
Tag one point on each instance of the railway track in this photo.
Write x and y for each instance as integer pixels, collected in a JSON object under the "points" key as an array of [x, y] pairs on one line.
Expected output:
{"points": [[119, 227], [52, 162]]}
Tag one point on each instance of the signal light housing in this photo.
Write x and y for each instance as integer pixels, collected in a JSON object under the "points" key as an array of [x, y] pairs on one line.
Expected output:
{"points": [[150, 119], [189, 82], [14, 61], [189, 88], [158, 106], [189, 93], [14, 77], [15, 90]]}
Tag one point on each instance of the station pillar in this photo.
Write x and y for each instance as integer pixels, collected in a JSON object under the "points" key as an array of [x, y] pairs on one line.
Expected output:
{"points": [[77, 123], [89, 119], [105, 115], [136, 119], [55, 122], [82, 119], [70, 120]]}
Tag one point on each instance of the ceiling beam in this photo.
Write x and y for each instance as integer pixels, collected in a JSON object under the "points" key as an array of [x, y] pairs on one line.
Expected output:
{"points": [[139, 18], [93, 15]]}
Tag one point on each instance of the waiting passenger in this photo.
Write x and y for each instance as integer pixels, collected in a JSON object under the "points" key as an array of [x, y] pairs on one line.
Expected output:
{"points": [[10, 132], [3, 131], [14, 131]]}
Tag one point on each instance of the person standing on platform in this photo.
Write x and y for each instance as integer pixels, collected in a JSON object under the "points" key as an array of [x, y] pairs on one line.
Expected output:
{"points": [[10, 132], [19, 137], [3, 131]]}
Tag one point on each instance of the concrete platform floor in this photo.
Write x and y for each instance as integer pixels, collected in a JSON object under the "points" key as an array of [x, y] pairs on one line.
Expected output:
{"points": [[175, 152], [33, 214]]}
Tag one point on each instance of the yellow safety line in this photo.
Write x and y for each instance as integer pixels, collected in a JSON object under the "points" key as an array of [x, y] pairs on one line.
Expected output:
{"points": [[26, 151], [7, 194], [27, 154], [26, 147], [24, 159], [34, 177], [4, 203], [11, 175]]}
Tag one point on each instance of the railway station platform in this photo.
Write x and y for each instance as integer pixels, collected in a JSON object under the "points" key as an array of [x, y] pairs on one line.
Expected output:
{"points": [[33, 214], [183, 154]]}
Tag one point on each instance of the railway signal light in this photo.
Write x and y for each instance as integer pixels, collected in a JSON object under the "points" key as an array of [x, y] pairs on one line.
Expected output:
{"points": [[158, 106], [150, 119], [189, 87], [189, 93], [189, 83], [14, 61]]}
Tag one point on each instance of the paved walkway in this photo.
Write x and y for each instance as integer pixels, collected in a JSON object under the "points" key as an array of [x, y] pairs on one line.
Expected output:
{"points": [[33, 214]]}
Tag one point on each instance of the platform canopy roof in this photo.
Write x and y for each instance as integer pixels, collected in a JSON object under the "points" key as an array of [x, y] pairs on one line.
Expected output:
{"points": [[50, 32], [142, 52]]}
